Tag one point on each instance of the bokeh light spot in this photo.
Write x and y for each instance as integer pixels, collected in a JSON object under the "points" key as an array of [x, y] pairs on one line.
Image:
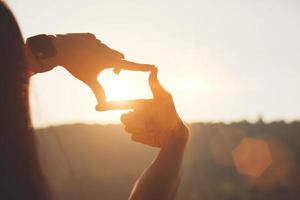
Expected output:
{"points": [[252, 157]]}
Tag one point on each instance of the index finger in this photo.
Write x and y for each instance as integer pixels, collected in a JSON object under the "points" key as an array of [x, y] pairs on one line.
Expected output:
{"points": [[124, 105], [128, 65], [157, 89]]}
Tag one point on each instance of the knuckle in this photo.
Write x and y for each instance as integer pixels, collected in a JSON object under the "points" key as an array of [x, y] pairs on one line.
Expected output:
{"points": [[168, 95], [123, 118], [167, 98], [135, 138], [127, 129], [90, 35]]}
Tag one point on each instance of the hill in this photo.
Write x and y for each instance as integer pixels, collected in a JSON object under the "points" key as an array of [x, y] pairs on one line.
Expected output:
{"points": [[101, 162]]}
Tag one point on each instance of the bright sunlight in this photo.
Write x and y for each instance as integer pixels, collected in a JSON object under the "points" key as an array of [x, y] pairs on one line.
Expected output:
{"points": [[126, 85]]}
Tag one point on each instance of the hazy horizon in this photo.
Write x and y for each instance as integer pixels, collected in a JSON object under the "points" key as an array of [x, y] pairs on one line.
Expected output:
{"points": [[221, 60]]}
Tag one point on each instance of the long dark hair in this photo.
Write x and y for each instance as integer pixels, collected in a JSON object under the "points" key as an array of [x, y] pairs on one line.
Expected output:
{"points": [[20, 173]]}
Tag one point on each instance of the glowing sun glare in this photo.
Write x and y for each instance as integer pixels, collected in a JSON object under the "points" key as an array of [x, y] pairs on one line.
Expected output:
{"points": [[126, 85]]}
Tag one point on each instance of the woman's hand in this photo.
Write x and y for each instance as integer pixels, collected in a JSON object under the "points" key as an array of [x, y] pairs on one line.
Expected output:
{"points": [[155, 122], [84, 56]]}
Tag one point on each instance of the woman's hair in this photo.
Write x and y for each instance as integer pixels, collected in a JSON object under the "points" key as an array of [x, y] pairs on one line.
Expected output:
{"points": [[20, 172]]}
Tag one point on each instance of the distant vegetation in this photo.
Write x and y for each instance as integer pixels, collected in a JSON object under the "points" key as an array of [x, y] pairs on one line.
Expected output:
{"points": [[101, 162]]}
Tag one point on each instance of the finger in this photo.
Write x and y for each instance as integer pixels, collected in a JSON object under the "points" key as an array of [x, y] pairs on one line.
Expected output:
{"points": [[119, 64], [146, 138], [137, 126], [117, 70], [157, 89], [132, 118], [126, 117], [97, 90], [128, 65], [141, 137], [135, 130], [124, 105]]}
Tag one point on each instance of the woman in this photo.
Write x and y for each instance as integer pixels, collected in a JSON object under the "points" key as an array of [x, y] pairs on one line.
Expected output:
{"points": [[152, 122], [21, 175]]}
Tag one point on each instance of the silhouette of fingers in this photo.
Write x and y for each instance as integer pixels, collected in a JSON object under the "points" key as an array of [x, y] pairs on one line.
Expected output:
{"points": [[157, 89], [97, 90], [149, 138], [128, 65], [136, 129], [125, 118], [136, 124], [117, 70], [120, 64]]}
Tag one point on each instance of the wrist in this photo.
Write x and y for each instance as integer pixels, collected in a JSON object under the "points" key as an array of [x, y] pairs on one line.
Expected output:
{"points": [[42, 53], [179, 134], [50, 61]]}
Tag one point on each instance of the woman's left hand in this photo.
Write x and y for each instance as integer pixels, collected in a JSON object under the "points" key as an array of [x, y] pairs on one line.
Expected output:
{"points": [[155, 122], [84, 56]]}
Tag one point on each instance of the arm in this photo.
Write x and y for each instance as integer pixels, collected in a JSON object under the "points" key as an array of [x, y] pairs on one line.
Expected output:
{"points": [[156, 123], [163, 176]]}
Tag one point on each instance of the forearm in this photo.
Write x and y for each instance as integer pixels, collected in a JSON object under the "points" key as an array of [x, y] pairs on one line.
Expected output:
{"points": [[160, 181]]}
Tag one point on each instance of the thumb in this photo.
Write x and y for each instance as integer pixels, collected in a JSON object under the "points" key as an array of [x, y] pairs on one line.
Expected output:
{"points": [[97, 90], [157, 89]]}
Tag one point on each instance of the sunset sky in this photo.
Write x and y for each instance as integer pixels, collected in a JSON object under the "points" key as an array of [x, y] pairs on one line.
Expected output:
{"points": [[221, 60]]}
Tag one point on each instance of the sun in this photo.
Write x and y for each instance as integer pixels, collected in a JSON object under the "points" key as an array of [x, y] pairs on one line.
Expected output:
{"points": [[127, 85]]}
